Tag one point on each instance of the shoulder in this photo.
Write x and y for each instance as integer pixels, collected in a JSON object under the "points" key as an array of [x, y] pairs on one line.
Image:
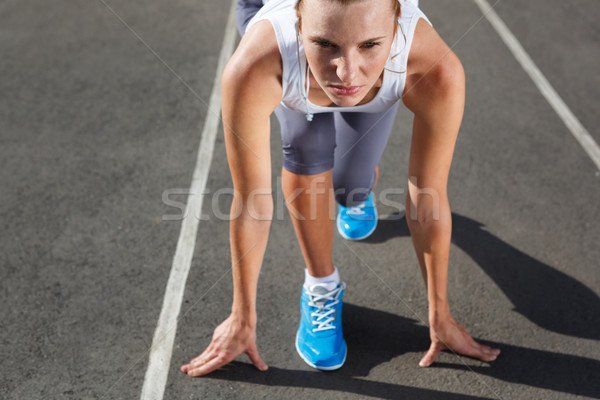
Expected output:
{"points": [[255, 68], [256, 57], [433, 70]]}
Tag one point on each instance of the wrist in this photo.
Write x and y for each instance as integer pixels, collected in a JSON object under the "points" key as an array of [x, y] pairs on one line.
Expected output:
{"points": [[438, 314], [243, 316]]}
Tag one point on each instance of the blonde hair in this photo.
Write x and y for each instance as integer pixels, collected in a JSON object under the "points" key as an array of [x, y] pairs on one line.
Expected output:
{"points": [[395, 5]]}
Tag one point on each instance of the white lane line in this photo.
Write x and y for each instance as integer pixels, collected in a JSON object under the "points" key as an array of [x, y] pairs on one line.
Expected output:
{"points": [[570, 120], [164, 335]]}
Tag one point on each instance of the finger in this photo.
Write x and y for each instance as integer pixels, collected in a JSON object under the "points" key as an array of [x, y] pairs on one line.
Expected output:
{"points": [[193, 364], [256, 360], [484, 352], [431, 355], [209, 366], [197, 361], [488, 353], [481, 352], [206, 355]]}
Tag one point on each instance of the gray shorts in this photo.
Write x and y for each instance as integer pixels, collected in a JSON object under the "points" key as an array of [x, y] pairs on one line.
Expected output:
{"points": [[349, 143]]}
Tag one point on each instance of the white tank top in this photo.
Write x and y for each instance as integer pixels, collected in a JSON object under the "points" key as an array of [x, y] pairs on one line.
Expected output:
{"points": [[282, 15]]}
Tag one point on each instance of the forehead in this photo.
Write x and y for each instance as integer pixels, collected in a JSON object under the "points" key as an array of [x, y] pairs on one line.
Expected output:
{"points": [[358, 19]]}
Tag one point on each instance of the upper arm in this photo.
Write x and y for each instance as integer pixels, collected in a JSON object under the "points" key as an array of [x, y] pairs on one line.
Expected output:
{"points": [[251, 90], [435, 92]]}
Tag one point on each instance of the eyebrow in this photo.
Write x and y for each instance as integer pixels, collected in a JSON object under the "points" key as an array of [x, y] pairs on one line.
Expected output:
{"points": [[322, 39]]}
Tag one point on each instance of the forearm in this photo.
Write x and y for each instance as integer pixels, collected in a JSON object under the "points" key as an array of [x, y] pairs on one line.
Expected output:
{"points": [[249, 233], [431, 240]]}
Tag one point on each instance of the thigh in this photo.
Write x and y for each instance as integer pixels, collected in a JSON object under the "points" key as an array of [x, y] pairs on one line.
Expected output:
{"points": [[308, 147], [361, 139]]}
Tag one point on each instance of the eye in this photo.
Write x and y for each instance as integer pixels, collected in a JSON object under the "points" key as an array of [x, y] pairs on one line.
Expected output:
{"points": [[323, 44], [370, 45]]}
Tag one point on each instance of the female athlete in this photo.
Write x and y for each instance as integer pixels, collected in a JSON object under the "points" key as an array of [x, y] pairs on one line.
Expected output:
{"points": [[334, 72]]}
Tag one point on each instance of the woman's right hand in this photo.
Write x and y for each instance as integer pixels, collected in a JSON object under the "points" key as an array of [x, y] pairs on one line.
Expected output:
{"points": [[230, 339], [251, 90]]}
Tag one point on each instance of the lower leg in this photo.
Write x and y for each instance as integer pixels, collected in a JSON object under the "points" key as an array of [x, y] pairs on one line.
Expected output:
{"points": [[319, 340], [311, 203]]}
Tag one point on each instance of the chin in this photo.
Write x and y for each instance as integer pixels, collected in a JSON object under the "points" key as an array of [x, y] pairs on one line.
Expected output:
{"points": [[345, 101]]}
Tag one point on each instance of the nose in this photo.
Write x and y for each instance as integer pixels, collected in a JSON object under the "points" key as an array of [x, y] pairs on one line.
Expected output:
{"points": [[346, 68]]}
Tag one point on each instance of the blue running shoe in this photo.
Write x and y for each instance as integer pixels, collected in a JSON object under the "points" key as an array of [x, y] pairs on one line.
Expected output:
{"points": [[358, 222], [320, 340]]}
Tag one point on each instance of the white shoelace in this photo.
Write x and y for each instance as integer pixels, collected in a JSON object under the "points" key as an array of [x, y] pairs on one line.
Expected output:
{"points": [[323, 317], [356, 210]]}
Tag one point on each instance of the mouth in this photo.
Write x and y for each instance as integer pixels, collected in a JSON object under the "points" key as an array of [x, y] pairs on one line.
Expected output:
{"points": [[345, 90]]}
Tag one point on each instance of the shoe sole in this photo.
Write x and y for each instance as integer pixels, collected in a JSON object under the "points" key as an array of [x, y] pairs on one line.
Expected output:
{"points": [[332, 368]]}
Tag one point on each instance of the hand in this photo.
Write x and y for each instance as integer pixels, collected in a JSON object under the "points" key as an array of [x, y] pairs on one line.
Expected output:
{"points": [[230, 339], [449, 334]]}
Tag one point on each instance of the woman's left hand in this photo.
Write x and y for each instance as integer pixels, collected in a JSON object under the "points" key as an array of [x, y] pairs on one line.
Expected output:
{"points": [[449, 334]]}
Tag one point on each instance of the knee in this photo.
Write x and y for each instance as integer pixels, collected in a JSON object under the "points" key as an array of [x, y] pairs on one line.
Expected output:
{"points": [[298, 185]]}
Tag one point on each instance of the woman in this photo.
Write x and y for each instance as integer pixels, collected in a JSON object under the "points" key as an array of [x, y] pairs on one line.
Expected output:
{"points": [[333, 72]]}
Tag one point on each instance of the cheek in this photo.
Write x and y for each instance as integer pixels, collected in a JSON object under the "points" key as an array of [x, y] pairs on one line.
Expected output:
{"points": [[320, 64], [372, 68], [376, 62]]}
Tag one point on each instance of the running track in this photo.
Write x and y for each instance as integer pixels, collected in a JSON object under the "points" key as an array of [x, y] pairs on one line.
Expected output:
{"points": [[105, 129]]}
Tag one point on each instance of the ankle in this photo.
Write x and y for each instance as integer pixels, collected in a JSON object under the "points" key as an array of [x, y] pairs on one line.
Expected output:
{"points": [[310, 280]]}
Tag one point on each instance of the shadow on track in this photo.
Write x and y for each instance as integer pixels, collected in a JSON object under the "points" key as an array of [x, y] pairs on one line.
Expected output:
{"points": [[547, 297], [338, 381], [375, 337]]}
